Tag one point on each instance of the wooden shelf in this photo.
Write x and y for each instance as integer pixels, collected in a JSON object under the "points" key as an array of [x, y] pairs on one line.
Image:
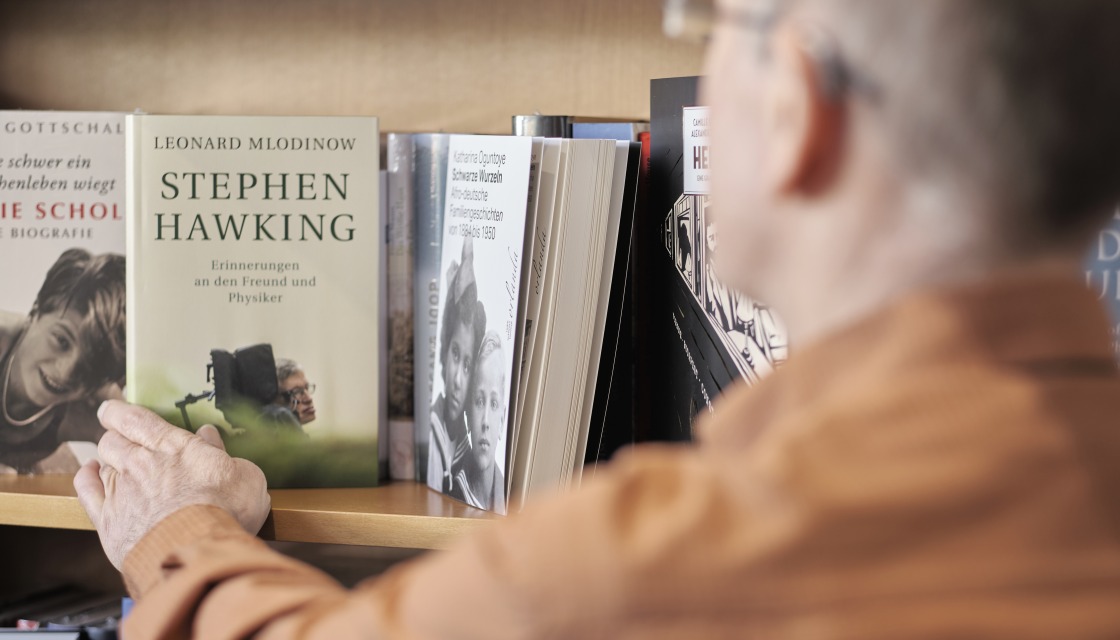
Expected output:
{"points": [[404, 514]]}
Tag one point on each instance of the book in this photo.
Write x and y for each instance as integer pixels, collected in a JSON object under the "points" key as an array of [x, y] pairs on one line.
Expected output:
{"points": [[582, 127], [538, 223], [712, 336], [569, 330], [429, 193], [623, 130], [383, 282], [62, 300], [610, 425], [543, 245], [399, 254], [549, 177], [478, 324], [610, 304], [254, 287], [539, 125], [1102, 273]]}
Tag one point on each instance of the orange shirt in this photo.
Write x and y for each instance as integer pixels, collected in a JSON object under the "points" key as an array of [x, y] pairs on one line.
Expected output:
{"points": [[949, 468]]}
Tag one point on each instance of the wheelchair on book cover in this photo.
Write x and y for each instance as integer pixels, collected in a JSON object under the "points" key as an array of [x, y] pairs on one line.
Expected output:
{"points": [[244, 390]]}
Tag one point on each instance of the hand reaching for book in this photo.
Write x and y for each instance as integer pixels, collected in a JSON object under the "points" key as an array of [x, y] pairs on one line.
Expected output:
{"points": [[151, 469]]}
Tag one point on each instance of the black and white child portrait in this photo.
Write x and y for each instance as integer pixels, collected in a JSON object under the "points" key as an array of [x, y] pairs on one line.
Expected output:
{"points": [[478, 478], [462, 325], [61, 360]]}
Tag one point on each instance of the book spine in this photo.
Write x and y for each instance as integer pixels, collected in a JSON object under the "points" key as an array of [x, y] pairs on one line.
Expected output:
{"points": [[133, 285], [383, 429], [400, 308], [429, 190]]}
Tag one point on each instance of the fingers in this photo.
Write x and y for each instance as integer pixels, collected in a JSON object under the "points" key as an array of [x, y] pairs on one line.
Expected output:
{"points": [[115, 449], [251, 510], [141, 426], [91, 491], [209, 433]]}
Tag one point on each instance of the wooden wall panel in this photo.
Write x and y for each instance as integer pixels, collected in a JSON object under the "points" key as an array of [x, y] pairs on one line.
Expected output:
{"points": [[453, 65]]}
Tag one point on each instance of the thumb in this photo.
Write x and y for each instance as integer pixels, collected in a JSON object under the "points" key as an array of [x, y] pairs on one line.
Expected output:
{"points": [[90, 490], [210, 434]]}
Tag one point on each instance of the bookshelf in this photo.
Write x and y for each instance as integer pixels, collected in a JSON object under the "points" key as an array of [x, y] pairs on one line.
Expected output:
{"points": [[402, 514], [423, 65]]}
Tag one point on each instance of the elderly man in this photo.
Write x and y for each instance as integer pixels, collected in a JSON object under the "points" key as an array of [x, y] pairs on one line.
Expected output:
{"points": [[294, 390], [910, 185]]}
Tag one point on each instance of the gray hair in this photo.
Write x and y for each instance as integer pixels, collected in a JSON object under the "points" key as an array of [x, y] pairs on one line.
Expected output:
{"points": [[286, 368], [1014, 101]]}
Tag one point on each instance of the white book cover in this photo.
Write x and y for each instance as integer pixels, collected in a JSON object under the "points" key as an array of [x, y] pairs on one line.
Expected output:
{"points": [[62, 297], [483, 241], [254, 298]]}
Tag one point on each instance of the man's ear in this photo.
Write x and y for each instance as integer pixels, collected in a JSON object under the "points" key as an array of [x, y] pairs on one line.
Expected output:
{"points": [[804, 119]]}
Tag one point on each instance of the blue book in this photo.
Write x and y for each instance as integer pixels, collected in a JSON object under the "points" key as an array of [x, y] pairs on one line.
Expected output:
{"points": [[624, 131], [1102, 273]]}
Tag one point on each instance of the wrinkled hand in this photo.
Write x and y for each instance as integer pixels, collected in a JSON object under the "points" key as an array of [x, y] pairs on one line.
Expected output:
{"points": [[151, 469]]}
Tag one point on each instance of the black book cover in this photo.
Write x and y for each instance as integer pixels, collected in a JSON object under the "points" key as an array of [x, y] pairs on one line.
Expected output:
{"points": [[700, 336]]}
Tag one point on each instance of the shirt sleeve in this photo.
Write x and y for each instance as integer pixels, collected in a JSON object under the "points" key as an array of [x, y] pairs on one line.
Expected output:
{"points": [[564, 568]]}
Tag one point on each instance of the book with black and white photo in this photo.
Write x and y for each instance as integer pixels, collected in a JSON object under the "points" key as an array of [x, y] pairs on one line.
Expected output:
{"points": [[528, 317], [62, 297], [478, 324], [255, 288]]}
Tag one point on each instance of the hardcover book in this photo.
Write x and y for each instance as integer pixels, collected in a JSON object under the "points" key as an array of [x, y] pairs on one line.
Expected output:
{"points": [[712, 336], [479, 317], [62, 296], [569, 332], [254, 298], [399, 246], [429, 193]]}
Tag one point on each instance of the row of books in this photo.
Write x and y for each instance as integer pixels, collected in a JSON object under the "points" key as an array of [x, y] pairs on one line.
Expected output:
{"points": [[480, 313], [257, 273], [515, 285]]}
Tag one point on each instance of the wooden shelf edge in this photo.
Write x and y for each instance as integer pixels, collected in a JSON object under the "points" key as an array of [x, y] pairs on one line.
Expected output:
{"points": [[403, 515]]}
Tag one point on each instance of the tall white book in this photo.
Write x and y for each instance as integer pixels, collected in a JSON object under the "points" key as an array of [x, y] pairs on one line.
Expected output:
{"points": [[254, 298], [62, 299], [480, 319]]}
